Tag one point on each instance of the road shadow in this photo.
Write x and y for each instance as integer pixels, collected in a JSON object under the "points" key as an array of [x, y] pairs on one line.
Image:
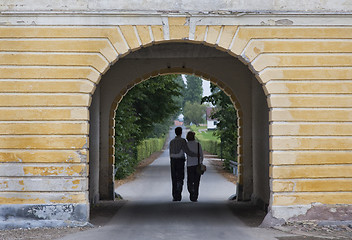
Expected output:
{"points": [[240, 213], [102, 212], [250, 214]]}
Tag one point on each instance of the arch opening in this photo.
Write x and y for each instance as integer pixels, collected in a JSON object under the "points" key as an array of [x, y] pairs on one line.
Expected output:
{"points": [[226, 71]]}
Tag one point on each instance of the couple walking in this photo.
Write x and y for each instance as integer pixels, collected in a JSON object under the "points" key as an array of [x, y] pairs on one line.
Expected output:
{"points": [[177, 148]]}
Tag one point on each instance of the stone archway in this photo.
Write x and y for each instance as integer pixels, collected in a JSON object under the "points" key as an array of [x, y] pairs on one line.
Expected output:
{"points": [[49, 72], [226, 71]]}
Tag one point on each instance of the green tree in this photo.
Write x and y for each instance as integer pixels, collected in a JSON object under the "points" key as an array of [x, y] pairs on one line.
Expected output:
{"points": [[154, 101], [193, 91], [194, 113], [227, 127], [126, 133], [145, 109]]}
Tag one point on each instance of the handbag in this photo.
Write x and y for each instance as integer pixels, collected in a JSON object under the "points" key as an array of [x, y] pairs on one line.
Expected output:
{"points": [[201, 168]]}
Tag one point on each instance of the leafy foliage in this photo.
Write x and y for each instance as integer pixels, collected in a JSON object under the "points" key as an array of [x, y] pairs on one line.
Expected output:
{"points": [[149, 146], [153, 101], [144, 112], [193, 91], [194, 113], [193, 110], [226, 115]]}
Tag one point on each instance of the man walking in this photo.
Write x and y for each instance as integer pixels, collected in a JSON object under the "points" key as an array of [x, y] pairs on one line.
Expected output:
{"points": [[177, 149]]}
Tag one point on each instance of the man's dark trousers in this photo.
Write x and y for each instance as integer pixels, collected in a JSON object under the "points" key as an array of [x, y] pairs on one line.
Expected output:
{"points": [[177, 176]]}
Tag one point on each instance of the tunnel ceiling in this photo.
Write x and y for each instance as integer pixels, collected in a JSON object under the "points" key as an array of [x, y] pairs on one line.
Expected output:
{"points": [[177, 50]]}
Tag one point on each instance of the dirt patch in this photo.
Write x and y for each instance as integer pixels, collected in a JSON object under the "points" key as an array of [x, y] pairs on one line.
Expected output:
{"points": [[314, 228], [39, 233], [307, 238]]}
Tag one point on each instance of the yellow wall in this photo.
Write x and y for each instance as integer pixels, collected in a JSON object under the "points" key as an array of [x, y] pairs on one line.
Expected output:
{"points": [[49, 73]]}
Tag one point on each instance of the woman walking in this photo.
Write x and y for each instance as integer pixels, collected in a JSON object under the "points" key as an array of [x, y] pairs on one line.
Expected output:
{"points": [[193, 178]]}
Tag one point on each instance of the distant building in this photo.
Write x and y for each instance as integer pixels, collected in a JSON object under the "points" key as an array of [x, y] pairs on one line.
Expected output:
{"points": [[211, 123], [178, 123], [179, 120]]}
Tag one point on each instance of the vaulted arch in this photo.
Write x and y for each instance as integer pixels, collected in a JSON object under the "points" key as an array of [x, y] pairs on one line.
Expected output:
{"points": [[227, 72]]}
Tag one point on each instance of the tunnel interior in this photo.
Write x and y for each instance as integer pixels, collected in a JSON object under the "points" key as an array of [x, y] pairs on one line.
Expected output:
{"points": [[210, 63]]}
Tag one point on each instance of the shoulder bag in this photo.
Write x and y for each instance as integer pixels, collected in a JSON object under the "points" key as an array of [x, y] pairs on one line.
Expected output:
{"points": [[201, 168]]}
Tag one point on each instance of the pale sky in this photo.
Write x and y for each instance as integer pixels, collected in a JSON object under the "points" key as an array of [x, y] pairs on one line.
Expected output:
{"points": [[206, 86]]}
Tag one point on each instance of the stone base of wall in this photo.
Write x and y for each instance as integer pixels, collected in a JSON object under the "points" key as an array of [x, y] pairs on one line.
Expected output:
{"points": [[31, 216], [319, 212]]}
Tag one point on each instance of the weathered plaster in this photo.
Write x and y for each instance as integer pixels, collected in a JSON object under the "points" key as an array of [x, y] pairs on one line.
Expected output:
{"points": [[176, 6], [314, 211], [287, 212], [31, 215]]}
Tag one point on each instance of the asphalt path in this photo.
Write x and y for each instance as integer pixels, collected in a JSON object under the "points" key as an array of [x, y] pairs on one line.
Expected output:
{"points": [[149, 212], [154, 183]]}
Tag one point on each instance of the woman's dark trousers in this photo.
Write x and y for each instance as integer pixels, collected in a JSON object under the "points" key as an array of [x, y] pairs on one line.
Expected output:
{"points": [[193, 179]]}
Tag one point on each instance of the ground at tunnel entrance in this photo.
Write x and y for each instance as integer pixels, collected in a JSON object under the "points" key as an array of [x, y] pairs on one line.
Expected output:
{"points": [[104, 211]]}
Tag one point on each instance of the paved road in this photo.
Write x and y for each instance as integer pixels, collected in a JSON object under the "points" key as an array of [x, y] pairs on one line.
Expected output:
{"points": [[150, 214], [154, 184]]}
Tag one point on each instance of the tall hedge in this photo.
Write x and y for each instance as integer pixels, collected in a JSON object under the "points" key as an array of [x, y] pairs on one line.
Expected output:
{"points": [[148, 147], [211, 146], [127, 162]]}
